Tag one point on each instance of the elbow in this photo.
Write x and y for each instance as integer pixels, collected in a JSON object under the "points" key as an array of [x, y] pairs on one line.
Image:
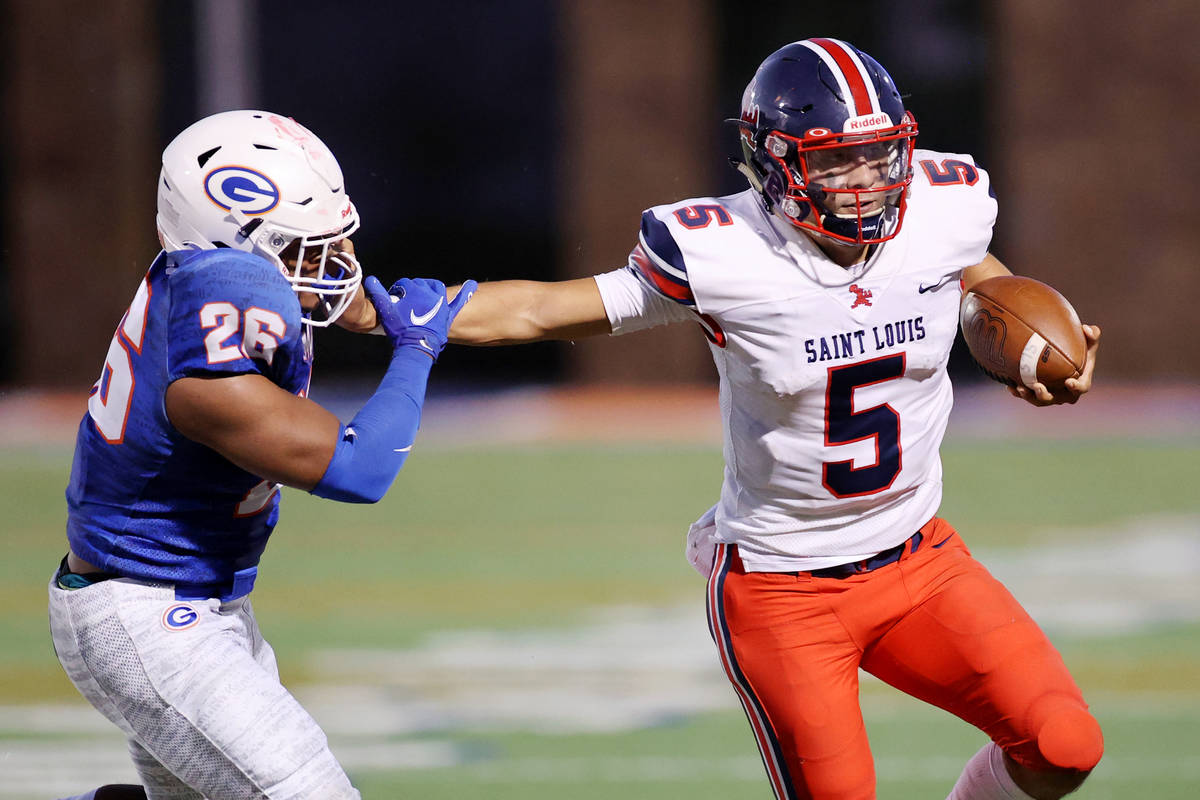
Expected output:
{"points": [[365, 489], [372, 488], [365, 498]]}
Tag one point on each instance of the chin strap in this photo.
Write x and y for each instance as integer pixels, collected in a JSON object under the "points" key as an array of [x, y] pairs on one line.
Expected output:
{"points": [[747, 173]]}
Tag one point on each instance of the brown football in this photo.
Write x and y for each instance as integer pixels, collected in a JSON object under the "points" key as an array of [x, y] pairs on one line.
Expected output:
{"points": [[1021, 331]]}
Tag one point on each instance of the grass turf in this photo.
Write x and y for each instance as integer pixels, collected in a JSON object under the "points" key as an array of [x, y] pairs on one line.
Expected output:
{"points": [[526, 537]]}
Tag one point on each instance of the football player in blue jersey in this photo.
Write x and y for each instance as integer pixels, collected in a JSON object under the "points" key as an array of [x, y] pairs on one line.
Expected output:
{"points": [[199, 415]]}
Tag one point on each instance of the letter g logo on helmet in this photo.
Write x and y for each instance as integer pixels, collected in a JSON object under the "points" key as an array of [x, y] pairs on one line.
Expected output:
{"points": [[242, 188]]}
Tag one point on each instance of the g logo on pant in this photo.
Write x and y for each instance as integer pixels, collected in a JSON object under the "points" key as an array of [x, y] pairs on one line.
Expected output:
{"points": [[179, 617]]}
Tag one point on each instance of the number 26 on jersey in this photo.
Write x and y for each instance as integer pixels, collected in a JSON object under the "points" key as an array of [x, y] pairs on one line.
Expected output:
{"points": [[112, 397]]}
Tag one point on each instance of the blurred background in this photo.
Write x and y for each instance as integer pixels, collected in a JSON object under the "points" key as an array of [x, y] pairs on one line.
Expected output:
{"points": [[523, 139], [514, 620]]}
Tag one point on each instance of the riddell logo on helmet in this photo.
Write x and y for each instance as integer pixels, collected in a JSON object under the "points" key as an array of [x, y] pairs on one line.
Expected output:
{"points": [[867, 122]]}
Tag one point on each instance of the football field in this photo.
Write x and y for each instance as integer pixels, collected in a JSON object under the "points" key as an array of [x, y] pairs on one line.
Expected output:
{"points": [[516, 619]]}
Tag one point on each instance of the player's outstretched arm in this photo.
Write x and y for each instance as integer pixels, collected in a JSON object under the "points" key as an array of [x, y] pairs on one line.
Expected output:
{"points": [[1039, 395], [278, 436], [515, 312], [359, 316]]}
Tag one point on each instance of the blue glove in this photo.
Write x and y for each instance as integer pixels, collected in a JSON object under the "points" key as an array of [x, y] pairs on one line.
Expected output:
{"points": [[415, 312]]}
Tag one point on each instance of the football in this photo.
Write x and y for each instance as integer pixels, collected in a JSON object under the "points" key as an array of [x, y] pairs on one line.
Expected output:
{"points": [[1021, 331]]}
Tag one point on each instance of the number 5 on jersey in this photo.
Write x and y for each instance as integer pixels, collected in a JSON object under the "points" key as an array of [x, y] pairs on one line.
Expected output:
{"points": [[846, 425]]}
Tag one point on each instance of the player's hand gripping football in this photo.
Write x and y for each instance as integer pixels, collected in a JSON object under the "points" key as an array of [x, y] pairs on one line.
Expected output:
{"points": [[1074, 388], [416, 312]]}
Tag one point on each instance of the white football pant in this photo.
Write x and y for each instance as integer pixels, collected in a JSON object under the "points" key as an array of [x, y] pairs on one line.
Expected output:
{"points": [[195, 687]]}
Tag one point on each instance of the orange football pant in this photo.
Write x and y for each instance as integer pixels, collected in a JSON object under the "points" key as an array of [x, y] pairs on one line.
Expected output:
{"points": [[934, 624]]}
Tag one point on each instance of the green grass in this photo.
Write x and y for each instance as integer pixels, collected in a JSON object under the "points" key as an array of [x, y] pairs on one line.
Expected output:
{"points": [[534, 537], [918, 750], [1002, 493]]}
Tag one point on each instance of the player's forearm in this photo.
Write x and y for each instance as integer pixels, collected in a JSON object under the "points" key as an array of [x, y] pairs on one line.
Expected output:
{"points": [[371, 450], [515, 312], [359, 316], [501, 312]]}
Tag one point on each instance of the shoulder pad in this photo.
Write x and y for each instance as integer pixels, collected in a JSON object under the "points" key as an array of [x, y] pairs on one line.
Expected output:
{"points": [[939, 170], [658, 261], [231, 312], [241, 278]]}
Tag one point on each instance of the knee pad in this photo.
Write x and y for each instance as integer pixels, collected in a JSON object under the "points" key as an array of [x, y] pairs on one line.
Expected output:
{"points": [[1070, 738]]}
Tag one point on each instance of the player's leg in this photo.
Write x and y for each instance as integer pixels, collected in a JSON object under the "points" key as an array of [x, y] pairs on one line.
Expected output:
{"points": [[260, 648], [969, 647], [113, 791], [795, 671], [181, 679], [988, 776], [160, 782]]}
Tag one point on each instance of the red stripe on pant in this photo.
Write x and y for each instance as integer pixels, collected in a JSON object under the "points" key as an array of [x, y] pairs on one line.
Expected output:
{"points": [[768, 743]]}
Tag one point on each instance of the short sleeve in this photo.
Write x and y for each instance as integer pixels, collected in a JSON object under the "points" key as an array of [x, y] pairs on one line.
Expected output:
{"points": [[658, 262], [954, 199], [632, 305], [230, 313]]}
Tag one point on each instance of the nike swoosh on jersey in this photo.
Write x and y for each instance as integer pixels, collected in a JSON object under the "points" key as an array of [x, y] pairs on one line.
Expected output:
{"points": [[423, 318], [402, 449], [922, 288]]}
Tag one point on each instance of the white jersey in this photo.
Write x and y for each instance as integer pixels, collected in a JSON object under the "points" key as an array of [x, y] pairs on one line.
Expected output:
{"points": [[833, 385]]}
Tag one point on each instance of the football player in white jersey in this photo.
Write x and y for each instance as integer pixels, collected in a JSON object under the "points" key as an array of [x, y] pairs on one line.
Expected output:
{"points": [[829, 292]]}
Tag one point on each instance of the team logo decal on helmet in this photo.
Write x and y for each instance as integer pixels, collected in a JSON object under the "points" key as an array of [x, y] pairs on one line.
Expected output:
{"points": [[247, 190]]}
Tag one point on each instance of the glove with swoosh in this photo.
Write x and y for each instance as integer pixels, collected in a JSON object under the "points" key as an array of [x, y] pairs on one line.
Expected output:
{"points": [[415, 311]]}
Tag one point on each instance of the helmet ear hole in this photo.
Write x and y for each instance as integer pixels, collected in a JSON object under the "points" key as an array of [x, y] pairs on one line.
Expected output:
{"points": [[291, 252]]}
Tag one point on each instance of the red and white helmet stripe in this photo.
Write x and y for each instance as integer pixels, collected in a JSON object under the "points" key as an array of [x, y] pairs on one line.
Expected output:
{"points": [[853, 81]]}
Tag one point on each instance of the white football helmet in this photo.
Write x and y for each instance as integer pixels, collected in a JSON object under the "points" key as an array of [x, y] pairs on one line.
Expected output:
{"points": [[257, 181]]}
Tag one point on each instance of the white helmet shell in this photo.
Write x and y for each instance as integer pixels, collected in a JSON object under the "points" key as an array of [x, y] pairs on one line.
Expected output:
{"points": [[257, 181]]}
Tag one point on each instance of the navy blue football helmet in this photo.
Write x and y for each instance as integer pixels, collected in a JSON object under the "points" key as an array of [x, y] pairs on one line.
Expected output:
{"points": [[826, 141]]}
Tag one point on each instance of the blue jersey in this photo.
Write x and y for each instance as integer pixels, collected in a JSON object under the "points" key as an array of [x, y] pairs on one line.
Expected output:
{"points": [[145, 501]]}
